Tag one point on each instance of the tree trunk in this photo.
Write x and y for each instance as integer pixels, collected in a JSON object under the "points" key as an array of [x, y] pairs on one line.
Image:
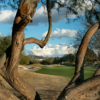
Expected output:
{"points": [[74, 87], [11, 56], [80, 79], [10, 70]]}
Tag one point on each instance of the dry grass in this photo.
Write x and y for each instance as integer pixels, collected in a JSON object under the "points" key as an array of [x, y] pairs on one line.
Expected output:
{"points": [[48, 86]]}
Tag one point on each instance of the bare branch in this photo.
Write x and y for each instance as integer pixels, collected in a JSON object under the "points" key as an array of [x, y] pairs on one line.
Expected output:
{"points": [[34, 40], [50, 23], [42, 43], [82, 49], [79, 61]]}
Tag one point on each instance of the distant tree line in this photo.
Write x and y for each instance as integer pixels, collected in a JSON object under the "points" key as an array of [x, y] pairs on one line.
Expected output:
{"points": [[25, 60], [5, 42], [67, 59], [70, 58]]}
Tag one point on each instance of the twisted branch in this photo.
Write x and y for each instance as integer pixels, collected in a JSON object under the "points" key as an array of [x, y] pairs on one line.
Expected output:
{"points": [[42, 43], [71, 87]]}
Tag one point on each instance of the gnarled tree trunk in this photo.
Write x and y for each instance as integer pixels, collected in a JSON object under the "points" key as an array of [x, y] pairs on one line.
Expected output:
{"points": [[10, 59], [9, 71], [73, 91]]}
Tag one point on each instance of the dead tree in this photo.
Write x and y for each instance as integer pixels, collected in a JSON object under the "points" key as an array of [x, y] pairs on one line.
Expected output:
{"points": [[73, 90], [10, 59]]}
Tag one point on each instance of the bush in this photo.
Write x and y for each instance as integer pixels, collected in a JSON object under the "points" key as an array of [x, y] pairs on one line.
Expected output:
{"points": [[5, 42], [24, 60], [48, 61], [56, 60], [34, 62], [68, 58]]}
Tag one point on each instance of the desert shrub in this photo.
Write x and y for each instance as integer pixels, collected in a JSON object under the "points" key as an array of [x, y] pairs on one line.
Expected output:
{"points": [[49, 60], [45, 62], [5, 42], [68, 58], [56, 60], [34, 62], [24, 59]]}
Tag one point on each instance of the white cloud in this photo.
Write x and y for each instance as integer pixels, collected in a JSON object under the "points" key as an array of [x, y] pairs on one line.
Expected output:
{"points": [[7, 16], [41, 16], [96, 51], [52, 50], [62, 44], [1, 35], [62, 33]]}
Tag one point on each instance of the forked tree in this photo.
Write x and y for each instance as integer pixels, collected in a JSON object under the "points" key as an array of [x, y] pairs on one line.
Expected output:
{"points": [[10, 59]]}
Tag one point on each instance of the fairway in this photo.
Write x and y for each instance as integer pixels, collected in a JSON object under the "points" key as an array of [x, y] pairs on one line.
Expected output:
{"points": [[65, 71]]}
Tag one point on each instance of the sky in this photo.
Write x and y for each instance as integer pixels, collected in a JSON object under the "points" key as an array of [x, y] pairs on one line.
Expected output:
{"points": [[63, 33]]}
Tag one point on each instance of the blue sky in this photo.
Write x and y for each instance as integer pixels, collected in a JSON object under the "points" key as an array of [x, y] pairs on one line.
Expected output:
{"points": [[62, 32]]}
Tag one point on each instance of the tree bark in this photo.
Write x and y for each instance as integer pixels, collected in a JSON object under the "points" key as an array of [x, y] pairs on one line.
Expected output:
{"points": [[5, 94], [26, 9], [8, 70], [82, 88], [71, 89], [42, 43]]}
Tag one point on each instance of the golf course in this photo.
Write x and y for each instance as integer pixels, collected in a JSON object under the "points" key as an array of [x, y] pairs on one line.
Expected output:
{"points": [[47, 80]]}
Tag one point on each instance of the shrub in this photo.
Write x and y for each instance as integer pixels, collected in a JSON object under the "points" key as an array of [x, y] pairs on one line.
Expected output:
{"points": [[48, 61], [34, 62], [24, 59]]}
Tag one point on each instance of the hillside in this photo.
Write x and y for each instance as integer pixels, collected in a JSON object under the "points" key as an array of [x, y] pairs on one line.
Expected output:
{"points": [[34, 57]]}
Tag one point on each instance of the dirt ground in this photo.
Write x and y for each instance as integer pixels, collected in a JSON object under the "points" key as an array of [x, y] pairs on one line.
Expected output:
{"points": [[48, 86]]}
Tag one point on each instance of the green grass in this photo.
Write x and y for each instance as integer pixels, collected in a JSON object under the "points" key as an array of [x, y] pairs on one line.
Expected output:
{"points": [[65, 71], [88, 71]]}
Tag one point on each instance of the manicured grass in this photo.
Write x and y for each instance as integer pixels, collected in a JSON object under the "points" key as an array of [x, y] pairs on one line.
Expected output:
{"points": [[65, 71], [88, 71]]}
